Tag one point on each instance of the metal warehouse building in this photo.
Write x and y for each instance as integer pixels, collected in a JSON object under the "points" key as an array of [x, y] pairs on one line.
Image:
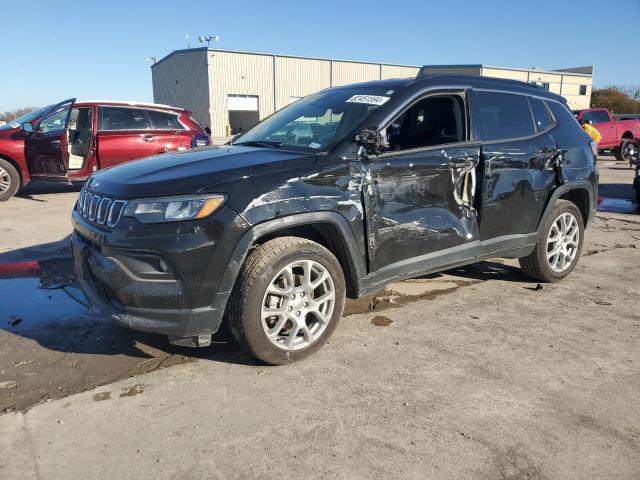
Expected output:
{"points": [[231, 90]]}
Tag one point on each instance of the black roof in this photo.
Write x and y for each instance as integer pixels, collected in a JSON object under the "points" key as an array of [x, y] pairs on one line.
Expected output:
{"points": [[451, 80]]}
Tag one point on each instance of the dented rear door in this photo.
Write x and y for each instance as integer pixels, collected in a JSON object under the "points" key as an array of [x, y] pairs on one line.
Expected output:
{"points": [[420, 202]]}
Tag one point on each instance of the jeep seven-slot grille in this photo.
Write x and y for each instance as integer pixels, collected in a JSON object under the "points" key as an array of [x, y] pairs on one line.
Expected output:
{"points": [[98, 209]]}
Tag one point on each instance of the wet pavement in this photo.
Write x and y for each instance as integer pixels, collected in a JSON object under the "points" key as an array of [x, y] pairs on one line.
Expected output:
{"points": [[617, 205]]}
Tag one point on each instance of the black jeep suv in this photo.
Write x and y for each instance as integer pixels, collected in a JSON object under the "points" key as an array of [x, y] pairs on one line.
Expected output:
{"points": [[336, 195]]}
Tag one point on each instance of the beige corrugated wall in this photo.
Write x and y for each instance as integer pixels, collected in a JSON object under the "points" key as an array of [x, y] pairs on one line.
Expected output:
{"points": [[182, 81], [239, 74], [299, 77], [398, 71], [345, 73]]}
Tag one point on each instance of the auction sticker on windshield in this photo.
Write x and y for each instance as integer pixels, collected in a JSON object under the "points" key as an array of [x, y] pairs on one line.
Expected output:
{"points": [[368, 99]]}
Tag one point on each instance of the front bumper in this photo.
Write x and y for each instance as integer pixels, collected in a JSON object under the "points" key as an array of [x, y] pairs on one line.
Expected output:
{"points": [[113, 269]]}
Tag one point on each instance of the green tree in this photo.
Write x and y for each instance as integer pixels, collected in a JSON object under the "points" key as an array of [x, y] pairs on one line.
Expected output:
{"points": [[617, 99]]}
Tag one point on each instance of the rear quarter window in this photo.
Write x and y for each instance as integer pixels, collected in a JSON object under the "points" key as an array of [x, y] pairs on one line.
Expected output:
{"points": [[121, 118], [164, 120], [504, 115], [569, 132], [541, 115]]}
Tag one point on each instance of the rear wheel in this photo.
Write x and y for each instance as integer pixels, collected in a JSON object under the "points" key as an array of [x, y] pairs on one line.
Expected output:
{"points": [[558, 248], [624, 152], [288, 300], [9, 180]]}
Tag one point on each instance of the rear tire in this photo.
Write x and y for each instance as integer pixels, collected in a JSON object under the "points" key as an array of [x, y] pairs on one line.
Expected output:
{"points": [[277, 312], [9, 180], [621, 152], [558, 248]]}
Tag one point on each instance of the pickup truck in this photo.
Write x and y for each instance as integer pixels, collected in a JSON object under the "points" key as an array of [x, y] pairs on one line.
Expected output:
{"points": [[618, 135]]}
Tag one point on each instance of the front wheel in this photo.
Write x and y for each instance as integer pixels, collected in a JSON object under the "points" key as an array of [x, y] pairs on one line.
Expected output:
{"points": [[9, 180], [558, 248], [287, 301]]}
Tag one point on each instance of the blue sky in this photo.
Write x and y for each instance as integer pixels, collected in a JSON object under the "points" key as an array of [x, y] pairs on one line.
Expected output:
{"points": [[57, 48]]}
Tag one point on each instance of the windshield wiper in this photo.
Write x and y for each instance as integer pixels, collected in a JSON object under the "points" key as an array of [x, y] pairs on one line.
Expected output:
{"points": [[261, 143]]}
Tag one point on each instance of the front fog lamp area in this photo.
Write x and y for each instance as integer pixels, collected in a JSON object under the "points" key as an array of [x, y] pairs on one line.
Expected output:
{"points": [[173, 209]]}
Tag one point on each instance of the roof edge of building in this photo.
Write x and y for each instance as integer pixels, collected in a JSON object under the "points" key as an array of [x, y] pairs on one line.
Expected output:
{"points": [[302, 57], [516, 69]]}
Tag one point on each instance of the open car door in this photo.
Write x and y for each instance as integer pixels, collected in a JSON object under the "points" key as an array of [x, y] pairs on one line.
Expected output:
{"points": [[46, 145]]}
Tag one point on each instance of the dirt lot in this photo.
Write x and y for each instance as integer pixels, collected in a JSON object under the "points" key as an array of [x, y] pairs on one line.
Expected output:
{"points": [[475, 373]]}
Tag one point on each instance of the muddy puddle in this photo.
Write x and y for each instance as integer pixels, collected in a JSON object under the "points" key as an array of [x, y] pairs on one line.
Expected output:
{"points": [[53, 343], [617, 205]]}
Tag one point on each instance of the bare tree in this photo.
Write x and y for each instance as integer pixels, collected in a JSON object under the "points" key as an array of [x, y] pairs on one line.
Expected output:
{"points": [[10, 115]]}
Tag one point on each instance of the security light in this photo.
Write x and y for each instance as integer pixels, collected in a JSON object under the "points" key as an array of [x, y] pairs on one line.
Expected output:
{"points": [[209, 39]]}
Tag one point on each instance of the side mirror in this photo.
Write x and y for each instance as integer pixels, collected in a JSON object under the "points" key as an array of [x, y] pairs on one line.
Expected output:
{"points": [[27, 127], [370, 139]]}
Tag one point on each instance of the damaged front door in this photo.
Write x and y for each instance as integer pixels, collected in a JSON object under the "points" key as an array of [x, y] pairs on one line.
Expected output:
{"points": [[420, 195], [46, 146], [420, 202]]}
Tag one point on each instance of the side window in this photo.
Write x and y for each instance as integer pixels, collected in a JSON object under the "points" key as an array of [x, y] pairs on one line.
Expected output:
{"points": [[504, 115], [541, 115], [596, 116], [600, 117], [164, 120], [121, 118], [432, 121]]}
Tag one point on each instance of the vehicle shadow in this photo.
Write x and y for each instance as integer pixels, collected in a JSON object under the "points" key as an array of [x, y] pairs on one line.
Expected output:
{"points": [[46, 188], [490, 270], [616, 190]]}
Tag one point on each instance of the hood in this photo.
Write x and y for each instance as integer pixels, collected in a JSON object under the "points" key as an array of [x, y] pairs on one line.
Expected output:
{"points": [[193, 171]]}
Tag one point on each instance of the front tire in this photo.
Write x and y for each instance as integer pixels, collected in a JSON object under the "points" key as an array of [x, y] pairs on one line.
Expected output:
{"points": [[9, 180], [558, 248], [287, 301]]}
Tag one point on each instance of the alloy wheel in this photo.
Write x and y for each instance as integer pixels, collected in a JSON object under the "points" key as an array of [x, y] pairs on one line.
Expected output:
{"points": [[563, 242], [627, 150], [5, 181], [298, 305]]}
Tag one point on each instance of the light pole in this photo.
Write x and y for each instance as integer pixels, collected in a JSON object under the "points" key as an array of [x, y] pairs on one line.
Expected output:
{"points": [[153, 60], [209, 39]]}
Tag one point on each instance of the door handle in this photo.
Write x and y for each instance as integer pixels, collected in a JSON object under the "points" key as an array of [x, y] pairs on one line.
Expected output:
{"points": [[147, 138], [56, 143]]}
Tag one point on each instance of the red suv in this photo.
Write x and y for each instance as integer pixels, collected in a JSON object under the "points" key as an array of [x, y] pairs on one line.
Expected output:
{"points": [[71, 140]]}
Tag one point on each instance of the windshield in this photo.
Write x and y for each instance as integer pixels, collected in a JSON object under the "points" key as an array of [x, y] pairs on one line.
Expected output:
{"points": [[27, 117], [317, 122]]}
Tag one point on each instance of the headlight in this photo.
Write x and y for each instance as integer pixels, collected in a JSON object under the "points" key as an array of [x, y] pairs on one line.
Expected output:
{"points": [[173, 209]]}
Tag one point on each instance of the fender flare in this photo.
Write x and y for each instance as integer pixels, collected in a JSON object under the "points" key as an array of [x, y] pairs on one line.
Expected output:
{"points": [[561, 190], [243, 247]]}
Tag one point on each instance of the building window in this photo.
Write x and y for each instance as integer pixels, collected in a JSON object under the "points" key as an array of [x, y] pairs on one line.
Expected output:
{"points": [[544, 85], [583, 89]]}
